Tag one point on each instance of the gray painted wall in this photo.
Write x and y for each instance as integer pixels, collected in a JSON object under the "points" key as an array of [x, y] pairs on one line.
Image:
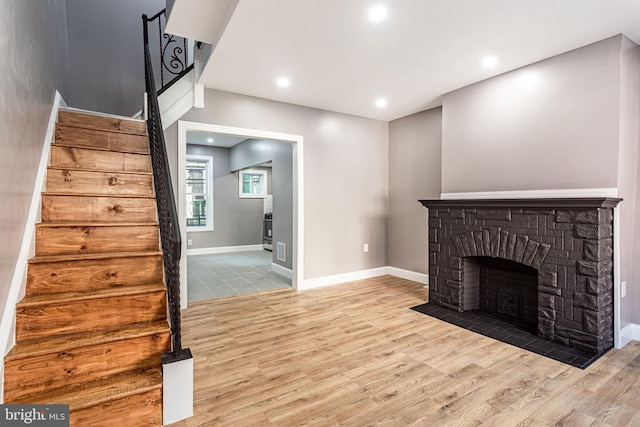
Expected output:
{"points": [[550, 125], [106, 62], [414, 173], [628, 178], [568, 122], [346, 175], [33, 42], [237, 222], [254, 152]]}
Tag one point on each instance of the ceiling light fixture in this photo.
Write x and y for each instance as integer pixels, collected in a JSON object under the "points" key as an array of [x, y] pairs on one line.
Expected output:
{"points": [[381, 103], [209, 139], [283, 82], [377, 13], [489, 61]]}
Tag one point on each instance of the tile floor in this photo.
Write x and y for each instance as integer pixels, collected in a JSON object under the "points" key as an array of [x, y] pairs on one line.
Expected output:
{"points": [[498, 329], [224, 275]]}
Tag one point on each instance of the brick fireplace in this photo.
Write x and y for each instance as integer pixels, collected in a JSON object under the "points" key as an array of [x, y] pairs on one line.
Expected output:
{"points": [[546, 264]]}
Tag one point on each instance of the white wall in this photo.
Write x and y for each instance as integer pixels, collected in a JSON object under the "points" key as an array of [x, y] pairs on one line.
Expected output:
{"points": [[33, 45], [345, 175]]}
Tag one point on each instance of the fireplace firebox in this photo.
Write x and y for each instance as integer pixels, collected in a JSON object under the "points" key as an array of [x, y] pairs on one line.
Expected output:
{"points": [[545, 264]]}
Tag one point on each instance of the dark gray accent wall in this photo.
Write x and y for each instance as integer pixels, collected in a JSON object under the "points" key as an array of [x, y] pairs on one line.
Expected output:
{"points": [[414, 173], [106, 62], [33, 42], [237, 222], [253, 152], [345, 175]]}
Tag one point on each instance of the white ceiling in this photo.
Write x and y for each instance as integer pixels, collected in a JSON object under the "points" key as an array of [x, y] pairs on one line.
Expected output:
{"points": [[219, 139], [338, 60]]}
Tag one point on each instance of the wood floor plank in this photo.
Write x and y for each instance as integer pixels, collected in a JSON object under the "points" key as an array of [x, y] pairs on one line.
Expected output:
{"points": [[355, 355]]}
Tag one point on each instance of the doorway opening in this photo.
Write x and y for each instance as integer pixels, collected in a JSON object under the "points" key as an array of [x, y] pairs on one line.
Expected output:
{"points": [[295, 211]]}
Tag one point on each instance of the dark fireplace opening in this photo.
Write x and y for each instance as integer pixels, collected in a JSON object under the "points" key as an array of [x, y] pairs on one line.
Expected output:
{"points": [[505, 289]]}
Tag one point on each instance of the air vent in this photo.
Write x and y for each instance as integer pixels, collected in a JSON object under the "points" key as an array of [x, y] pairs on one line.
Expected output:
{"points": [[281, 252]]}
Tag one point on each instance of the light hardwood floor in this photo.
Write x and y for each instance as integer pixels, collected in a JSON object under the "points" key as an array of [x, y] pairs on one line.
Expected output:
{"points": [[355, 355]]}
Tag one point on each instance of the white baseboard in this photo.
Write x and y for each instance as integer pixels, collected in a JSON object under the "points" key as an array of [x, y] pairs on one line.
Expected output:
{"points": [[337, 279], [282, 271], [27, 247], [224, 250], [97, 113], [409, 275], [629, 333], [342, 278], [534, 194]]}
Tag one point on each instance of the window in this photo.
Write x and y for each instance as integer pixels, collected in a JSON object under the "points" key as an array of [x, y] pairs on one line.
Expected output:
{"points": [[199, 193], [252, 183]]}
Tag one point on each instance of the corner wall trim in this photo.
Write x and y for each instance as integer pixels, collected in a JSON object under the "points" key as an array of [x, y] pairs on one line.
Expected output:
{"points": [[631, 332], [27, 247], [282, 271], [408, 274], [224, 250], [521, 194]]}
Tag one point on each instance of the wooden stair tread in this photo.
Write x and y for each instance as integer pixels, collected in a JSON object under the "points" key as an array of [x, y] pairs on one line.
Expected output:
{"points": [[107, 123], [99, 171], [101, 391], [58, 343], [96, 224], [84, 147], [66, 297], [86, 157], [93, 256], [105, 196]]}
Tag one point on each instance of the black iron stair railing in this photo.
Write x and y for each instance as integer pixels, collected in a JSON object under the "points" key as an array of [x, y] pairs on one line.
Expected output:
{"points": [[170, 237], [173, 51]]}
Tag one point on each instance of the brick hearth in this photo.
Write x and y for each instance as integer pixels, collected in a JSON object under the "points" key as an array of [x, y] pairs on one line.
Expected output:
{"points": [[569, 242]]}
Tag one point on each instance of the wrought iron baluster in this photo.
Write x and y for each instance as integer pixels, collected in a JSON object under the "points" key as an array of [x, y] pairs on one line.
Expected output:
{"points": [[174, 55]]}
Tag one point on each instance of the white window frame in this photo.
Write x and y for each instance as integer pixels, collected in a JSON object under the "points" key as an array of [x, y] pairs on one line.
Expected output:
{"points": [[244, 195], [208, 194]]}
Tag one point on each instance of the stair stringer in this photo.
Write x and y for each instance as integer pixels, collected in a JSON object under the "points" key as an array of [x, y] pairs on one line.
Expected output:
{"points": [[27, 247], [179, 98]]}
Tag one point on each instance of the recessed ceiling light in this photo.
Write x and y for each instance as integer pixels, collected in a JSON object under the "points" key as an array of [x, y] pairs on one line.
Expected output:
{"points": [[489, 61], [209, 139], [381, 103], [283, 82], [378, 13]]}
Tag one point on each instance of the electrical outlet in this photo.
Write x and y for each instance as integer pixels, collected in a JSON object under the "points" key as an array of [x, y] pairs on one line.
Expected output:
{"points": [[623, 289], [366, 247], [189, 242]]}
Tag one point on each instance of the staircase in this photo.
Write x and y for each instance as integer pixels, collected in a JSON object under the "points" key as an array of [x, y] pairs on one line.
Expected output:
{"points": [[93, 323]]}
